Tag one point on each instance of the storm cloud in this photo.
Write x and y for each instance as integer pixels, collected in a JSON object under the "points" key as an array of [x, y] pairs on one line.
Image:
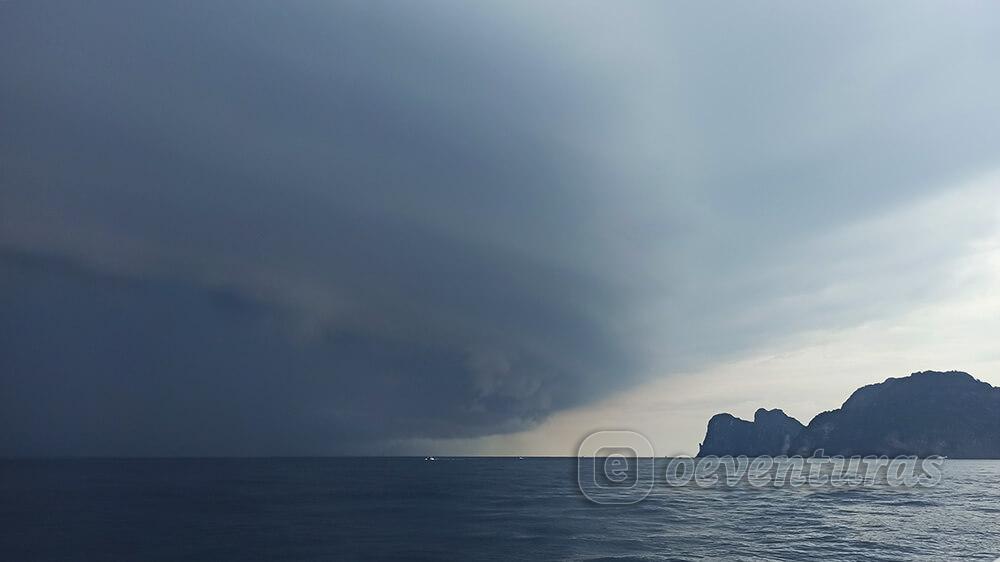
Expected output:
{"points": [[324, 228]]}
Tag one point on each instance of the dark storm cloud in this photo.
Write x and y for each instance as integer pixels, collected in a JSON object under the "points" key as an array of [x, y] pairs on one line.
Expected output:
{"points": [[376, 201], [104, 365], [295, 228]]}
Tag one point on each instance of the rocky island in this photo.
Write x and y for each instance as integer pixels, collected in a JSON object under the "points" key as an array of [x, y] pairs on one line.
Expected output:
{"points": [[928, 413]]}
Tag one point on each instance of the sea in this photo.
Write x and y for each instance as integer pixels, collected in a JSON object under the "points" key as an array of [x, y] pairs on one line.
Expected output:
{"points": [[240, 509]]}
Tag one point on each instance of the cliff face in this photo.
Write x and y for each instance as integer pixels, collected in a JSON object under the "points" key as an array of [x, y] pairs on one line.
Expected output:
{"points": [[770, 433], [928, 413]]}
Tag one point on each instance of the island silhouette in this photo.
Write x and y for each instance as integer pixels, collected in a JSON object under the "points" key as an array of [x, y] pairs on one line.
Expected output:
{"points": [[925, 414]]}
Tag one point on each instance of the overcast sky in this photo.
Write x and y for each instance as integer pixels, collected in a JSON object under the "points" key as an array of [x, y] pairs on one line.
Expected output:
{"points": [[336, 228]]}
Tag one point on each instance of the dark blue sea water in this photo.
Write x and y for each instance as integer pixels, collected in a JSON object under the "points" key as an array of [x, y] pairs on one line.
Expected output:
{"points": [[466, 509]]}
